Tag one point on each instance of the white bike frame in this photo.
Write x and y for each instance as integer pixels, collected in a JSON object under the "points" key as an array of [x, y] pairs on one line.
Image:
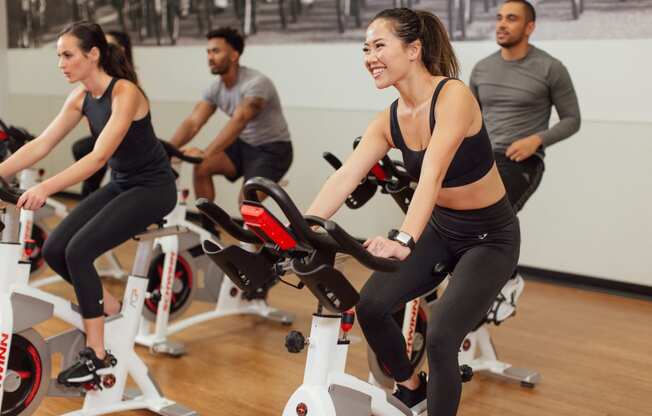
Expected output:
{"points": [[119, 333]]}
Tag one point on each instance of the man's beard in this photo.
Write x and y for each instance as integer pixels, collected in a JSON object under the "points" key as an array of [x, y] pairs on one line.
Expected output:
{"points": [[509, 43], [216, 70]]}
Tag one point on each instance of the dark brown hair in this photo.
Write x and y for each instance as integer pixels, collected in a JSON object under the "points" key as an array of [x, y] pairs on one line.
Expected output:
{"points": [[530, 13], [230, 36], [436, 50], [125, 41]]}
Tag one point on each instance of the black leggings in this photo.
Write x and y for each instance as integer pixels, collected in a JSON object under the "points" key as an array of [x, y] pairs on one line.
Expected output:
{"points": [[521, 179], [100, 222], [81, 148], [482, 248]]}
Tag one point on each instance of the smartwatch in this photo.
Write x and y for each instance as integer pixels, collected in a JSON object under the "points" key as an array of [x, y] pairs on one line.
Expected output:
{"points": [[402, 238]]}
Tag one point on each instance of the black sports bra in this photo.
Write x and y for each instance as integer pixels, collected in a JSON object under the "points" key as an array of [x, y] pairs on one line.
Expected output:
{"points": [[471, 162]]}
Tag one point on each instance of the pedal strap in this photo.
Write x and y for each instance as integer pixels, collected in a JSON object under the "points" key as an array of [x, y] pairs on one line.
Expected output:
{"points": [[90, 365]]}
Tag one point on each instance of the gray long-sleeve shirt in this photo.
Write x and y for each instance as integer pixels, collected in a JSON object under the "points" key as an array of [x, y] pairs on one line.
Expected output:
{"points": [[517, 98]]}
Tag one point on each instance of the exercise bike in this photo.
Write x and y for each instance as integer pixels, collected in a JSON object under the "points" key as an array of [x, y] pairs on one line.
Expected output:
{"points": [[477, 350], [26, 358], [180, 273], [33, 228], [327, 390]]}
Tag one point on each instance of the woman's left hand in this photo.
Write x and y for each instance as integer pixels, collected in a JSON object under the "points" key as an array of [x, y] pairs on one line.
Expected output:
{"points": [[386, 248], [33, 198]]}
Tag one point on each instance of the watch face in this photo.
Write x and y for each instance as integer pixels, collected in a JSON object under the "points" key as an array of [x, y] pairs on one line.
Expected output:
{"points": [[403, 238]]}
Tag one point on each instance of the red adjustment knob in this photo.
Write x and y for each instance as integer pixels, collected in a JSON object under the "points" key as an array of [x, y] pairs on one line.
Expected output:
{"points": [[41, 172], [184, 194], [348, 318], [30, 245]]}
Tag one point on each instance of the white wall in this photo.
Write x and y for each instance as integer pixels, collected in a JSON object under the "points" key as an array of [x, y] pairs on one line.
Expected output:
{"points": [[3, 59], [589, 217], [610, 76]]}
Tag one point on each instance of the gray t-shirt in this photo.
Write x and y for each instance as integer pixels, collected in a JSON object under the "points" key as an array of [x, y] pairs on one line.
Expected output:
{"points": [[517, 98], [267, 126]]}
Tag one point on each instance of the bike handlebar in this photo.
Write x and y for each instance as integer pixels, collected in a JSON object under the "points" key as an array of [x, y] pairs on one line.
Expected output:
{"points": [[174, 152], [352, 246], [337, 239], [9, 193], [224, 220]]}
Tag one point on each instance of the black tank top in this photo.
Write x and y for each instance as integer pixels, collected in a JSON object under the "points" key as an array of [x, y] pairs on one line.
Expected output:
{"points": [[140, 159], [471, 162]]}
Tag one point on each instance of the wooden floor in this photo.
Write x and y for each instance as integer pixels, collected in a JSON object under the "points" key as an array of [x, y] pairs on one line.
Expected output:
{"points": [[594, 352]]}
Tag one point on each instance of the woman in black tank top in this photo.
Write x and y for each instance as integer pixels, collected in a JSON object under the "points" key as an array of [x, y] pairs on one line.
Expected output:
{"points": [[459, 216], [141, 191]]}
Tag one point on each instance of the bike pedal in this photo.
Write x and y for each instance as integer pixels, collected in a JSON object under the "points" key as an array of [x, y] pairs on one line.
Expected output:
{"points": [[89, 386]]}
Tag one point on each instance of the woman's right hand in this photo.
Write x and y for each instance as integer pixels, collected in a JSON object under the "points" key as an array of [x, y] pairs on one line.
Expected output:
{"points": [[386, 248], [33, 198]]}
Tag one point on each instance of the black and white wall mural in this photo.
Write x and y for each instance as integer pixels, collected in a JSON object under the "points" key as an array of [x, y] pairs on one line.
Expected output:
{"points": [[34, 23]]}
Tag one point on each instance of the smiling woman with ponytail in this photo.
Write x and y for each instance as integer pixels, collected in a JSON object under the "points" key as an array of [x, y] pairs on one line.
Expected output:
{"points": [[459, 215], [141, 190], [437, 52]]}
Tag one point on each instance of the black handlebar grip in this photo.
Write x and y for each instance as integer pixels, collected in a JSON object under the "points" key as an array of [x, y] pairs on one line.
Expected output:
{"points": [[224, 220], [174, 152]]}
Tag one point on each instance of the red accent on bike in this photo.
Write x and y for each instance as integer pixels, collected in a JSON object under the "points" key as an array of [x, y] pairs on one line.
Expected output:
{"points": [[268, 228], [30, 246], [466, 345], [36, 359], [348, 318], [181, 263], [3, 135], [378, 172]]}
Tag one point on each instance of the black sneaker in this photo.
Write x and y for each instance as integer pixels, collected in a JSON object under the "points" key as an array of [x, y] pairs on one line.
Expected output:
{"points": [[413, 398], [87, 369]]}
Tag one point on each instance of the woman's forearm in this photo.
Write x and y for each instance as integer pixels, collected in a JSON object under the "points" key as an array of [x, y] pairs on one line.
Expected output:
{"points": [[421, 206], [331, 196], [75, 173], [26, 156]]}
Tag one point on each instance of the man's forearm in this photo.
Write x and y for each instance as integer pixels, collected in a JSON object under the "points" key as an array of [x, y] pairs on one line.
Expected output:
{"points": [[565, 128], [226, 136], [184, 134], [565, 101]]}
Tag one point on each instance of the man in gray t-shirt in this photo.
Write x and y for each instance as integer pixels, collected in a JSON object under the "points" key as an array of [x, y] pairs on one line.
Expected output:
{"points": [[516, 88], [255, 141]]}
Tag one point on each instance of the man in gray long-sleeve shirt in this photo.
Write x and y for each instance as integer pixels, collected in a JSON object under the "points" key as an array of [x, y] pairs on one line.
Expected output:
{"points": [[516, 88]]}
